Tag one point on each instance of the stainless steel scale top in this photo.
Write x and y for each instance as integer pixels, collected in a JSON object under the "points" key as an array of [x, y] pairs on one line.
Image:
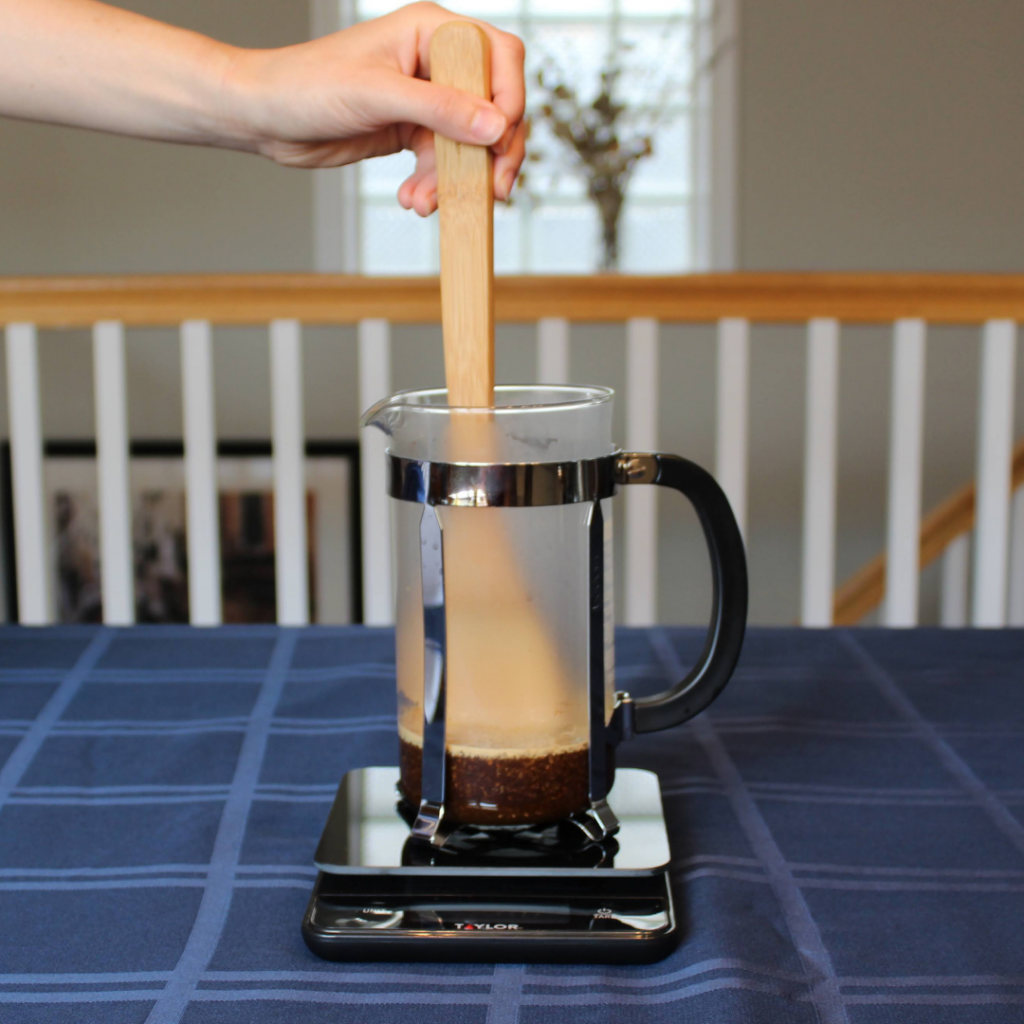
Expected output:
{"points": [[365, 831]]}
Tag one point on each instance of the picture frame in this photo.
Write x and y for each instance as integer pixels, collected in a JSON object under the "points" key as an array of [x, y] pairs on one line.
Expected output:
{"points": [[157, 485]]}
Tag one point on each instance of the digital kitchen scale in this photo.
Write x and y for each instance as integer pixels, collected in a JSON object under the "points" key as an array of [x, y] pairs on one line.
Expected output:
{"points": [[515, 895]]}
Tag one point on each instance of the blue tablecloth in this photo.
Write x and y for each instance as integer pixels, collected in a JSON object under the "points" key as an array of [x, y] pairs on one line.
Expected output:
{"points": [[846, 825]]}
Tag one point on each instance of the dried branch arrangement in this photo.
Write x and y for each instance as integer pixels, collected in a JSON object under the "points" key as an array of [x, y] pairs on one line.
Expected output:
{"points": [[604, 139]]}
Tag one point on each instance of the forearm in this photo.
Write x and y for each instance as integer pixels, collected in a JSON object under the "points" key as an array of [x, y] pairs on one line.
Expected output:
{"points": [[347, 96], [83, 63]]}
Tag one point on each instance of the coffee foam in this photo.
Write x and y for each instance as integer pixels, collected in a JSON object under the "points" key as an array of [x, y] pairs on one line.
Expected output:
{"points": [[464, 750]]}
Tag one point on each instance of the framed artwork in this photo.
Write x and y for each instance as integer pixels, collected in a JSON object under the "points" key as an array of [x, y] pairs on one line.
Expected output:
{"points": [[246, 513]]}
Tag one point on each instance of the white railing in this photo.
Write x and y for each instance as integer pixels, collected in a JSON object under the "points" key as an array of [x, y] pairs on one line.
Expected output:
{"points": [[375, 384], [641, 565], [995, 442], [27, 474], [109, 381], [200, 433], [905, 459], [820, 457], [289, 452], [733, 301]]}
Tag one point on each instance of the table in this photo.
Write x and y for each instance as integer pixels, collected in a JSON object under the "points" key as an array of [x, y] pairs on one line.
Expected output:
{"points": [[847, 826]]}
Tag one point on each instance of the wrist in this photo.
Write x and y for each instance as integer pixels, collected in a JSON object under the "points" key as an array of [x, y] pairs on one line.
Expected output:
{"points": [[241, 112]]}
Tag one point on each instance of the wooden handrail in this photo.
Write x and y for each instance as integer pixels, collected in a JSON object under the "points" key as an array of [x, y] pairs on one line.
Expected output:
{"points": [[234, 299], [865, 589], [328, 298]]}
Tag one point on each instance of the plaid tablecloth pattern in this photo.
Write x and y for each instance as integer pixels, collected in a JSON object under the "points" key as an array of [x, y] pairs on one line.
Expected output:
{"points": [[847, 831]]}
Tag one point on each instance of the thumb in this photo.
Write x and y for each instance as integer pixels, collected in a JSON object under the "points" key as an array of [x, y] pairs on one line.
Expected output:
{"points": [[457, 115]]}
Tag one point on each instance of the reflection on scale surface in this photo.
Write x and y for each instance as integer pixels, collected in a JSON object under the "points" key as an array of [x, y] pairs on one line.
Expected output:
{"points": [[376, 834]]}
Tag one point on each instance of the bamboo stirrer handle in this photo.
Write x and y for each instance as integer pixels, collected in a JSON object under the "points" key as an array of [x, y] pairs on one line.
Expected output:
{"points": [[460, 57]]}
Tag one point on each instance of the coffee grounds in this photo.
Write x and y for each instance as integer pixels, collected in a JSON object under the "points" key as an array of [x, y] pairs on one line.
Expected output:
{"points": [[529, 790]]}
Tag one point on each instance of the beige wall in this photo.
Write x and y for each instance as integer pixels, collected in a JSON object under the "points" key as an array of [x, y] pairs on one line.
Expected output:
{"points": [[82, 202], [882, 135], [875, 135], [76, 202]]}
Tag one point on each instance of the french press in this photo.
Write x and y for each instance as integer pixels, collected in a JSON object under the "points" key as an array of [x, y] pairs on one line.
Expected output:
{"points": [[507, 707], [512, 837]]}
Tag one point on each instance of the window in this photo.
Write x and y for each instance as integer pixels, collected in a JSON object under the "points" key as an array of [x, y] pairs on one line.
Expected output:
{"points": [[551, 227]]}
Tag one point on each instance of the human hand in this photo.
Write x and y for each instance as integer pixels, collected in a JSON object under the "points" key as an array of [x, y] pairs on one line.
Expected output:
{"points": [[363, 92]]}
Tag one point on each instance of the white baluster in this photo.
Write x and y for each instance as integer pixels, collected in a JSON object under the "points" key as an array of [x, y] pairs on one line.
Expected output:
{"points": [[1015, 614], [819, 545], [641, 568], [201, 507], [733, 414], [117, 574], [291, 552], [953, 599], [906, 446], [375, 384], [995, 444], [33, 567], [553, 350]]}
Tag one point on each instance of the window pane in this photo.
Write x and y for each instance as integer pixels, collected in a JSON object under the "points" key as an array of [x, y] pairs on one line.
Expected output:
{"points": [[657, 62], [575, 53], [382, 175], [685, 7], [585, 8], [564, 239], [549, 171], [396, 241], [667, 170], [507, 238], [654, 239], [552, 227]]}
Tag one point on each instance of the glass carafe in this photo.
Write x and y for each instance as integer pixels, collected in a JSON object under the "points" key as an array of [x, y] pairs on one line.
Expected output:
{"points": [[507, 711]]}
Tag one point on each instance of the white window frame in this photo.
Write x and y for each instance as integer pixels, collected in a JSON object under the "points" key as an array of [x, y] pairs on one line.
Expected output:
{"points": [[336, 212]]}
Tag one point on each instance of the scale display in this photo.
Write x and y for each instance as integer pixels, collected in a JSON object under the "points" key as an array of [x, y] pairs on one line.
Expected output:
{"points": [[518, 895]]}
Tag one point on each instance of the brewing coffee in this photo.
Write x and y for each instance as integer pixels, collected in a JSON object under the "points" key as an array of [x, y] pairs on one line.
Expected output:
{"points": [[502, 787], [515, 702]]}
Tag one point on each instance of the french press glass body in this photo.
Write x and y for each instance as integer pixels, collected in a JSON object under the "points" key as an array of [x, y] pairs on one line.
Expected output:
{"points": [[507, 709]]}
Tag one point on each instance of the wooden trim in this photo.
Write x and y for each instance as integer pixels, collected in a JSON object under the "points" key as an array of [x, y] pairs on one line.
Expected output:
{"points": [[330, 298], [865, 590]]}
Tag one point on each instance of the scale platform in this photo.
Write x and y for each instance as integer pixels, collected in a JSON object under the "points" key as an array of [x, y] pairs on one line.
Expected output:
{"points": [[490, 895]]}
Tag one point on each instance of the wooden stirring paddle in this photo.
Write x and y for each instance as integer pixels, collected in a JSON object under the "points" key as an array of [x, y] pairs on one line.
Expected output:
{"points": [[460, 57], [508, 689]]}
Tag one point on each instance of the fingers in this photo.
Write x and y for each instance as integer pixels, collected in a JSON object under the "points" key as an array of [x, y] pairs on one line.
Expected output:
{"points": [[335, 152], [507, 82], [508, 87], [393, 98], [419, 191], [506, 166]]}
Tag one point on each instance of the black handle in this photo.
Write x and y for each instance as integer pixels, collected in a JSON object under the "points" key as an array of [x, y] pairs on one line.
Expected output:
{"points": [[708, 677]]}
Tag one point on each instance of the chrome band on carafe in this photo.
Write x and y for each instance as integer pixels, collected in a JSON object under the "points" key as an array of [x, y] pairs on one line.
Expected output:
{"points": [[501, 485]]}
